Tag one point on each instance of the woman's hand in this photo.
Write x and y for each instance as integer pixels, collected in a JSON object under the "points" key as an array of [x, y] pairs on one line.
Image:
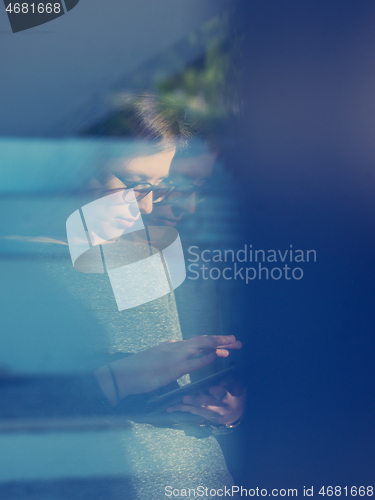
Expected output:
{"points": [[162, 364], [223, 405]]}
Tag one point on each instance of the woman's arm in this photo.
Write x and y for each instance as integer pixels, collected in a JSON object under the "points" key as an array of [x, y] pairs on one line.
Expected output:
{"points": [[160, 365]]}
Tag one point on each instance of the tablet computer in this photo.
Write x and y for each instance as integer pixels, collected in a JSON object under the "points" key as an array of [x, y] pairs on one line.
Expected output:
{"points": [[176, 396]]}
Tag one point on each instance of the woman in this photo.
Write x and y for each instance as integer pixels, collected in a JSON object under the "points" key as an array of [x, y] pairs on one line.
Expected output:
{"points": [[146, 340]]}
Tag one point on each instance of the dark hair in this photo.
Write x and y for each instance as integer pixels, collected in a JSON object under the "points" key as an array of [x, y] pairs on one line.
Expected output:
{"points": [[159, 122], [144, 125]]}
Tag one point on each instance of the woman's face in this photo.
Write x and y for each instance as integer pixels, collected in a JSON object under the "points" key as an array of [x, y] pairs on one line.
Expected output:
{"points": [[189, 171], [110, 215]]}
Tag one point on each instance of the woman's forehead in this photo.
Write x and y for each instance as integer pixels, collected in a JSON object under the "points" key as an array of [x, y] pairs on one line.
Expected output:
{"points": [[195, 167], [145, 167]]}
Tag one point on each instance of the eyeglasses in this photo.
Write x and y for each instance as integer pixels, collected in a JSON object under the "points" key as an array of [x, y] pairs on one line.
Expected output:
{"points": [[180, 192], [142, 189], [164, 193]]}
